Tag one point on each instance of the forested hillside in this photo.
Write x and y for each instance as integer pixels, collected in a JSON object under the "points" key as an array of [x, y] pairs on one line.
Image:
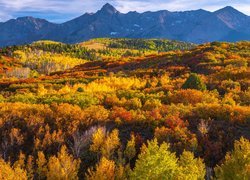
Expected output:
{"points": [[125, 109]]}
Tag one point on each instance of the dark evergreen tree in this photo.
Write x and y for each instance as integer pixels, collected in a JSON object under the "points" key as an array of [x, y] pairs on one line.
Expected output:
{"points": [[194, 82]]}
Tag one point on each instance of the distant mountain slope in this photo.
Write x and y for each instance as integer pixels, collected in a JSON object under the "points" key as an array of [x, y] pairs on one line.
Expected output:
{"points": [[24, 30], [234, 19], [197, 26]]}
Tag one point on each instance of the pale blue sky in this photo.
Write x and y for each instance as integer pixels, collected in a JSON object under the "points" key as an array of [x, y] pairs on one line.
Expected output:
{"points": [[63, 10]]}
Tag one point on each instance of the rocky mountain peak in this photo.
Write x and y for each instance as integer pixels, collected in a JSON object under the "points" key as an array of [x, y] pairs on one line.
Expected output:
{"points": [[108, 8]]}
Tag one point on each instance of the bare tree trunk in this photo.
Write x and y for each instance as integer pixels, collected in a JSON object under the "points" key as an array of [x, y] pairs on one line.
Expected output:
{"points": [[209, 173]]}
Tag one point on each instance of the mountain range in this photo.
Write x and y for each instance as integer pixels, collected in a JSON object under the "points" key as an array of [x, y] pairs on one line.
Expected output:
{"points": [[197, 26]]}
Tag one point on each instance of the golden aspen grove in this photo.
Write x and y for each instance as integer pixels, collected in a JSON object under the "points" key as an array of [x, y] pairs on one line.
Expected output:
{"points": [[117, 109]]}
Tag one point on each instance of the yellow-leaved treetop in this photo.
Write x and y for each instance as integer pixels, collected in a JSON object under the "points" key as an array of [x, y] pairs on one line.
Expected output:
{"points": [[237, 163], [11, 173], [157, 162], [191, 167], [104, 170], [41, 163], [64, 166], [111, 144], [130, 150], [105, 144], [97, 140]]}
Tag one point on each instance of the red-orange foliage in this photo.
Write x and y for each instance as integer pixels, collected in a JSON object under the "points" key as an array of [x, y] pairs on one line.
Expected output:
{"points": [[187, 96], [120, 113], [173, 121]]}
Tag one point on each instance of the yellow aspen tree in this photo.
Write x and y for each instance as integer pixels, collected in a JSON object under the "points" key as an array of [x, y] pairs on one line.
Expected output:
{"points": [[41, 163], [111, 143], [130, 150], [104, 170], [236, 165], [9, 173], [98, 139], [190, 167], [155, 162], [64, 166], [30, 167]]}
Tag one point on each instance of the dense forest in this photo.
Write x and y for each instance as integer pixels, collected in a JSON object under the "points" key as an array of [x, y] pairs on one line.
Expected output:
{"points": [[125, 109]]}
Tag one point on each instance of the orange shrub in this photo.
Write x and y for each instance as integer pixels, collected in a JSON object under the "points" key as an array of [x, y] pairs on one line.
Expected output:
{"points": [[188, 96], [222, 112]]}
